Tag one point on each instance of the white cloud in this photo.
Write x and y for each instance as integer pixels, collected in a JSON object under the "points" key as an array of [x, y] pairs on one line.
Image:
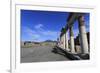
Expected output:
{"points": [[27, 30], [39, 26], [50, 33], [40, 35], [32, 34]]}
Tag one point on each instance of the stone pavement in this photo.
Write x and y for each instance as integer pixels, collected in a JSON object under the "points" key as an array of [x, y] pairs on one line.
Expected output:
{"points": [[40, 54]]}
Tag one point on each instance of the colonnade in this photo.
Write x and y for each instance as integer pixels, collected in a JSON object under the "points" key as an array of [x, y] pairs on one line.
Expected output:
{"points": [[64, 43]]}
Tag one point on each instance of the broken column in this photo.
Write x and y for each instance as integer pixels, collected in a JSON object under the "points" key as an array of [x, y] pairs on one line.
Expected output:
{"points": [[71, 40], [66, 42], [62, 35], [63, 40], [82, 33], [60, 45]]}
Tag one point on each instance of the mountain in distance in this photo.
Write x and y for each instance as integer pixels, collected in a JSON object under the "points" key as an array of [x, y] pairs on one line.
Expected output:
{"points": [[39, 42], [49, 41]]}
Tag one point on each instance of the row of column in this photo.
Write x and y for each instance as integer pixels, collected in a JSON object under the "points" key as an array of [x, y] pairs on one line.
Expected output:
{"points": [[83, 38]]}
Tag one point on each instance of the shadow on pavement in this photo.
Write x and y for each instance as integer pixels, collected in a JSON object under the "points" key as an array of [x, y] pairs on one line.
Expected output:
{"points": [[70, 56]]}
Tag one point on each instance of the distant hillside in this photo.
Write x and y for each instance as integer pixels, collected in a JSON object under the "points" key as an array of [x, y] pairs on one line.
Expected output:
{"points": [[30, 44], [50, 41]]}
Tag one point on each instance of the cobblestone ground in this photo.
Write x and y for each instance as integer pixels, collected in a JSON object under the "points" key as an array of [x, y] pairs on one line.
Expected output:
{"points": [[40, 54]]}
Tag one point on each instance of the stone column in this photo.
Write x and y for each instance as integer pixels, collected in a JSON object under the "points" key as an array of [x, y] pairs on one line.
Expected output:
{"points": [[66, 42], [83, 36], [71, 40], [60, 41], [63, 40]]}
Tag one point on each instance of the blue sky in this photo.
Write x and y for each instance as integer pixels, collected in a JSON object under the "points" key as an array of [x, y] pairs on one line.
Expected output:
{"points": [[45, 25]]}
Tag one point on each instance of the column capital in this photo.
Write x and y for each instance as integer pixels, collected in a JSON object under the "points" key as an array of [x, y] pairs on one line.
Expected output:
{"points": [[81, 20]]}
